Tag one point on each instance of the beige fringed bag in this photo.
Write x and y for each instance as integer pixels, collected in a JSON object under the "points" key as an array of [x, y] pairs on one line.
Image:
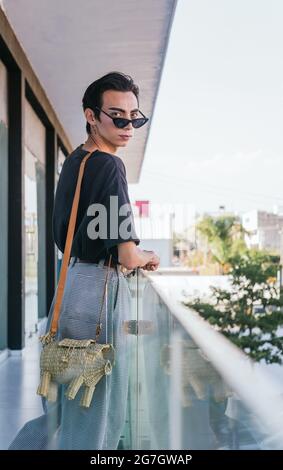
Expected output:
{"points": [[70, 361]]}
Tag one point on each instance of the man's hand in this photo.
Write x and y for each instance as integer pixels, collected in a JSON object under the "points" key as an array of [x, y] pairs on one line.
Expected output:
{"points": [[154, 262], [132, 257]]}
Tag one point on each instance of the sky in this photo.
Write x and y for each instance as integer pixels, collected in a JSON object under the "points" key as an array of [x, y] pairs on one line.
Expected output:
{"points": [[216, 132]]}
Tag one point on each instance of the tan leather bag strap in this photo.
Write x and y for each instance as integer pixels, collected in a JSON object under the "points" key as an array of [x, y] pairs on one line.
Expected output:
{"points": [[67, 252]]}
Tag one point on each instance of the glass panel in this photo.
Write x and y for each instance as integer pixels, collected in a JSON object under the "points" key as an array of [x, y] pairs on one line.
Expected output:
{"points": [[183, 401], [3, 206], [34, 242], [58, 167], [130, 434]]}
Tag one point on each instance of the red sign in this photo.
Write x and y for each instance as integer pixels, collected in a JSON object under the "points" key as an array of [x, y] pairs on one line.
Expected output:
{"points": [[143, 207]]}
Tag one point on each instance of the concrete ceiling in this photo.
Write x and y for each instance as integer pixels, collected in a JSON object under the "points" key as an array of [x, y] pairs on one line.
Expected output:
{"points": [[71, 43]]}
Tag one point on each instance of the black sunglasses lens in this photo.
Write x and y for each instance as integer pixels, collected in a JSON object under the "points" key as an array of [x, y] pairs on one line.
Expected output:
{"points": [[120, 122], [139, 122]]}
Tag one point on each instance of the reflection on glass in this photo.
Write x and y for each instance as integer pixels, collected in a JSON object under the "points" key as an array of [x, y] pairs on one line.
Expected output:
{"points": [[181, 397], [58, 255], [34, 242]]}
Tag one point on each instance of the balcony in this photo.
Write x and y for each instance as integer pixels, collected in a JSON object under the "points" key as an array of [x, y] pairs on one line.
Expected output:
{"points": [[189, 387]]}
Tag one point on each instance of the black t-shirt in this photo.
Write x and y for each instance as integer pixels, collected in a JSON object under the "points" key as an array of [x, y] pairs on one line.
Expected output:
{"points": [[104, 176]]}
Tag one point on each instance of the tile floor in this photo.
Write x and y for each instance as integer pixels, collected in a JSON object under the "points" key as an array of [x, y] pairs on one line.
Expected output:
{"points": [[19, 376]]}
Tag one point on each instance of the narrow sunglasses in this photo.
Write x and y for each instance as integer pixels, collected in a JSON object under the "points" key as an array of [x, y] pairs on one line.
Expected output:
{"points": [[123, 122]]}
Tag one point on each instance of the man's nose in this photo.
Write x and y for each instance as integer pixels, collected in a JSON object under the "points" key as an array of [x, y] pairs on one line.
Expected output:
{"points": [[129, 126]]}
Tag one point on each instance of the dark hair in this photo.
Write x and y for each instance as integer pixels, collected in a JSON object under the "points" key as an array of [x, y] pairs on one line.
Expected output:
{"points": [[112, 81]]}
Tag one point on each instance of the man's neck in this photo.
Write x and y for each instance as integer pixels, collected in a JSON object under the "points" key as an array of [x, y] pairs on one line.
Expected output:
{"points": [[91, 146]]}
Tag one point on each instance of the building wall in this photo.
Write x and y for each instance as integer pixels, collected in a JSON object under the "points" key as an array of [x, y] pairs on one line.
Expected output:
{"points": [[162, 247], [30, 134]]}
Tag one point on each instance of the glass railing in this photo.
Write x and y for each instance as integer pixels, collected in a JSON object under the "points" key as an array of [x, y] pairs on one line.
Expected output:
{"points": [[190, 388]]}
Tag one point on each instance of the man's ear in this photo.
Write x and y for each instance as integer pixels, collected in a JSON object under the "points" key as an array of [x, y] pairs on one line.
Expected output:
{"points": [[89, 115]]}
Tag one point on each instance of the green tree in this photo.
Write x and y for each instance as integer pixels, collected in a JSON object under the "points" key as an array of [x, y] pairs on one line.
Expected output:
{"points": [[250, 312], [225, 236]]}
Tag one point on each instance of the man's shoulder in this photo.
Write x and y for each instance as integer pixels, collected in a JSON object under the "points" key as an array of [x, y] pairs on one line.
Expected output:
{"points": [[98, 160], [109, 157], [108, 161]]}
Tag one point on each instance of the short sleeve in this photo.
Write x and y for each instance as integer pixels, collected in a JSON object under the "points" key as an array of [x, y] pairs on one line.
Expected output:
{"points": [[115, 199]]}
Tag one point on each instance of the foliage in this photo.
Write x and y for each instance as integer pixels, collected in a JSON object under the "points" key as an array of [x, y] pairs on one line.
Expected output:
{"points": [[250, 312], [224, 235]]}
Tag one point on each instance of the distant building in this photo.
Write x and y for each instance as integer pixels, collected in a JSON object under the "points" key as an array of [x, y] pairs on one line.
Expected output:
{"points": [[154, 226], [264, 230]]}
